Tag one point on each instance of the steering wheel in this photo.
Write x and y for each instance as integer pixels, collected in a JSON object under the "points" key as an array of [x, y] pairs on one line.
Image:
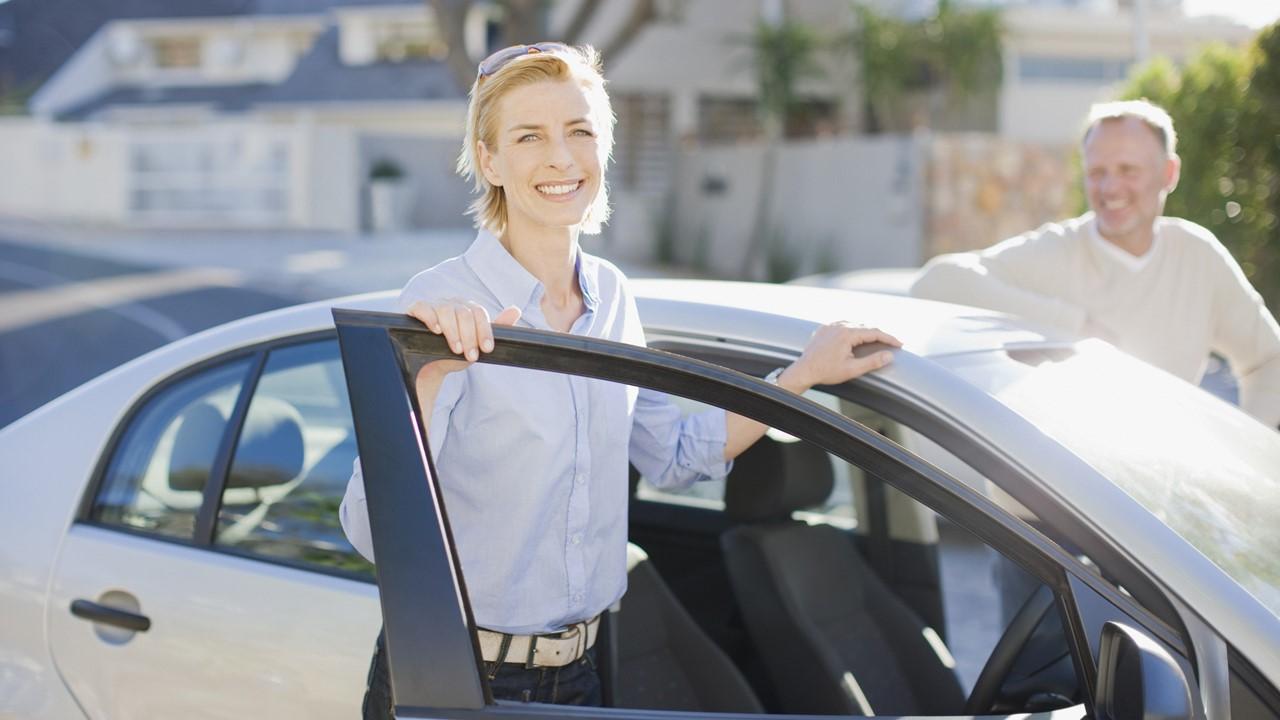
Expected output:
{"points": [[1015, 638]]}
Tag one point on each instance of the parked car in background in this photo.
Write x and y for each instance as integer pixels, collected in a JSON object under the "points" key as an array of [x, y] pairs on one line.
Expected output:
{"points": [[171, 545]]}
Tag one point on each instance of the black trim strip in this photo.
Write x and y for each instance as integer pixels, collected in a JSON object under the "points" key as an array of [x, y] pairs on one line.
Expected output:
{"points": [[1245, 671], [211, 499], [429, 628]]}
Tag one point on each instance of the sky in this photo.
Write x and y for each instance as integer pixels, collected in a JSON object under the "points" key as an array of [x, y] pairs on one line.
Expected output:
{"points": [[1254, 13]]}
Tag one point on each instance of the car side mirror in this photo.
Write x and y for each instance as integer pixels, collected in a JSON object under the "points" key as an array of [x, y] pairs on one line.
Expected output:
{"points": [[1139, 680]]}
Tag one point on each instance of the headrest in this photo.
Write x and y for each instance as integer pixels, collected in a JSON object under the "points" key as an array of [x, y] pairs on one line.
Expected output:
{"points": [[635, 556], [270, 451], [195, 445], [771, 479]]}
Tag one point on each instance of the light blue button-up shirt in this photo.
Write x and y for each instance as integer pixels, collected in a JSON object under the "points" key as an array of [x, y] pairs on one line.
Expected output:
{"points": [[533, 464]]}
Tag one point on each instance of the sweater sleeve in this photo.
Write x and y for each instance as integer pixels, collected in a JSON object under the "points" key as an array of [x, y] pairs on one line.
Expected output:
{"points": [[1246, 334], [1005, 277]]}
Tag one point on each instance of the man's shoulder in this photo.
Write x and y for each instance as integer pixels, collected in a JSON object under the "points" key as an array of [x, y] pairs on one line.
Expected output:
{"points": [[1183, 229], [1050, 237], [1192, 239]]}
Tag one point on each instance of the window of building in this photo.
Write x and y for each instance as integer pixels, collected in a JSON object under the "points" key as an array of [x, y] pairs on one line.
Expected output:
{"points": [[1067, 69], [176, 52]]}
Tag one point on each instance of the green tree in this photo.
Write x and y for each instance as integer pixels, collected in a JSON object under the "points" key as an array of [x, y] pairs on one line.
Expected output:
{"points": [[1225, 105], [948, 58]]}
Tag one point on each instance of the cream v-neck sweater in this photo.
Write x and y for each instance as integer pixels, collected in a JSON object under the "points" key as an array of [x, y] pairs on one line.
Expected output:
{"points": [[1185, 298]]}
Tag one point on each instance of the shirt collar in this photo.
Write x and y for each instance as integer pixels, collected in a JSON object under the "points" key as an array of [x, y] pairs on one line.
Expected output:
{"points": [[512, 284], [1131, 262]]}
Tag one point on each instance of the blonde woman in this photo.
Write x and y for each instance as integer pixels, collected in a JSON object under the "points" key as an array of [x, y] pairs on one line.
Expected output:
{"points": [[534, 465]]}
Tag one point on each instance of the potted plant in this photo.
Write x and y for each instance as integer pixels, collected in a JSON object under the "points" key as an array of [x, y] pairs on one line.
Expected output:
{"points": [[388, 196]]}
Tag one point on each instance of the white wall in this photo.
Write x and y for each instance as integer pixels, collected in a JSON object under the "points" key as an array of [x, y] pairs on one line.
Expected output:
{"points": [[85, 172], [435, 118], [845, 202], [703, 51], [63, 172], [1052, 110], [327, 178]]}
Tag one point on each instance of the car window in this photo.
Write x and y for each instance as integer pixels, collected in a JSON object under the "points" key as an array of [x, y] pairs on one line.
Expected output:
{"points": [[156, 477], [1204, 468], [839, 508], [291, 463]]}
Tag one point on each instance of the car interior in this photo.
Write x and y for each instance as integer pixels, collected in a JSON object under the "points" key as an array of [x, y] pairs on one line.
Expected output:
{"points": [[833, 593]]}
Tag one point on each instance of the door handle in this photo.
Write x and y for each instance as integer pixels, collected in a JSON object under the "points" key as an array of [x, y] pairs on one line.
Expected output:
{"points": [[115, 617]]}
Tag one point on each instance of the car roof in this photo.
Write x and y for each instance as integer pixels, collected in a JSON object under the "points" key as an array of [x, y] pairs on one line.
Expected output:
{"points": [[787, 314], [757, 313]]}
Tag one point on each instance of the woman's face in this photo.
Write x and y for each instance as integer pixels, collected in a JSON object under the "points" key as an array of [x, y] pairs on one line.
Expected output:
{"points": [[546, 156]]}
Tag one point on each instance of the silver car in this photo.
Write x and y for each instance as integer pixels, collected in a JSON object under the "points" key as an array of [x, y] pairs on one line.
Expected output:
{"points": [[171, 546]]}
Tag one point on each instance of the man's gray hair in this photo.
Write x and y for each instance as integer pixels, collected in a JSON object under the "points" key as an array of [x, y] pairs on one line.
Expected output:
{"points": [[1152, 115]]}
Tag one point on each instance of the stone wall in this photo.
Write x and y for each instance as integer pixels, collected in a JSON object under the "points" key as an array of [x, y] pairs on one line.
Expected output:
{"points": [[982, 189]]}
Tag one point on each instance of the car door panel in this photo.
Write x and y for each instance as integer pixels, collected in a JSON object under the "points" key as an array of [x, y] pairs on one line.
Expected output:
{"points": [[263, 640]]}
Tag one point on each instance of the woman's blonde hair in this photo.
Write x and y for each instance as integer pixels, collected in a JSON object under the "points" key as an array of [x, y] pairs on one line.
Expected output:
{"points": [[581, 64]]}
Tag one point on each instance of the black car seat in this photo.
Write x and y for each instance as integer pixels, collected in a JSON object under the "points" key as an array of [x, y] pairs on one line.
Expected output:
{"points": [[665, 661], [833, 637]]}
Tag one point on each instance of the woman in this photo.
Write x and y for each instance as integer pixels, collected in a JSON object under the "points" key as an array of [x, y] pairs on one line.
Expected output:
{"points": [[534, 465]]}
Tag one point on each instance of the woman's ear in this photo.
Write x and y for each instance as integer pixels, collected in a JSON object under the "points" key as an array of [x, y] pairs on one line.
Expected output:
{"points": [[485, 159]]}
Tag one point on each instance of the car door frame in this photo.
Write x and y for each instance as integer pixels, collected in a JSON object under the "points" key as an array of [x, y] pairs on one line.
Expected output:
{"points": [[435, 667]]}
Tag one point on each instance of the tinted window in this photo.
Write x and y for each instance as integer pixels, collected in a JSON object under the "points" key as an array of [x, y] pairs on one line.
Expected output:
{"points": [[292, 462], [156, 478]]}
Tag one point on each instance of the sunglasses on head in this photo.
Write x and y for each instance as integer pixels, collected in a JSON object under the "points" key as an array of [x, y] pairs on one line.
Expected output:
{"points": [[494, 62]]}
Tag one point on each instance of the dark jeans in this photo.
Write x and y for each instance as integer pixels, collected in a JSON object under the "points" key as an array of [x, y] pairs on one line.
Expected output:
{"points": [[577, 683]]}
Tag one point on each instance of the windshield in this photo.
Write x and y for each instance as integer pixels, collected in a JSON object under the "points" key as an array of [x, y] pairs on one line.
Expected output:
{"points": [[1203, 467]]}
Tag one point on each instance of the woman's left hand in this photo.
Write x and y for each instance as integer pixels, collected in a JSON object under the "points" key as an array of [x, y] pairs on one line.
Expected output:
{"points": [[828, 359]]}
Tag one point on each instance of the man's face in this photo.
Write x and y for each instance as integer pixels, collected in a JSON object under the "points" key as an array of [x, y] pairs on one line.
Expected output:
{"points": [[1127, 177]]}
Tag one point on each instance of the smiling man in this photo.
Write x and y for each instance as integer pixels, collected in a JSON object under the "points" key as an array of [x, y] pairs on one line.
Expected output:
{"points": [[1163, 289]]}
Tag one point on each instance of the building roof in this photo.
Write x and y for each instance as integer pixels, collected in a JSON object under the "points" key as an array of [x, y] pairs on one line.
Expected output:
{"points": [[321, 76], [223, 98], [43, 34]]}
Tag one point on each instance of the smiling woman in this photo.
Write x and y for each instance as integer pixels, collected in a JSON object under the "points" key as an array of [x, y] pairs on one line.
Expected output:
{"points": [[539, 462]]}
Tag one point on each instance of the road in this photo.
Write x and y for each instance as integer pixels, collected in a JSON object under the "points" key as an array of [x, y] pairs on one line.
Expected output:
{"points": [[66, 318]]}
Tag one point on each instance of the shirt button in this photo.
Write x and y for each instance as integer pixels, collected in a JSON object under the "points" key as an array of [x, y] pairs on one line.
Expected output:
{"points": [[580, 478], [577, 538], [577, 597]]}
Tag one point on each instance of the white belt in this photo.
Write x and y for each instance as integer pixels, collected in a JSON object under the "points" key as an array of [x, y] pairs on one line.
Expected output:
{"points": [[555, 650]]}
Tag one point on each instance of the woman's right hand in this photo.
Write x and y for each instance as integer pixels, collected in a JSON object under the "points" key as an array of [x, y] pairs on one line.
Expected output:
{"points": [[465, 326]]}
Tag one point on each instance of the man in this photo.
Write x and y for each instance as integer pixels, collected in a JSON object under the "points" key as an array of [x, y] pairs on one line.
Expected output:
{"points": [[1162, 289]]}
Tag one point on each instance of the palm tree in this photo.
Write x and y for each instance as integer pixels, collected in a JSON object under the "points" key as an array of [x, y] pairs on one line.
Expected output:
{"points": [[783, 54], [950, 56]]}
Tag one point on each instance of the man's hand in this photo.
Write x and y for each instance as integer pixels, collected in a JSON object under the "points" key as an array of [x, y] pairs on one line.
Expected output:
{"points": [[828, 359]]}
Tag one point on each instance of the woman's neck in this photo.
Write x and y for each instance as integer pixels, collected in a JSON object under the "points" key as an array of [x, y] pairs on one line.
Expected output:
{"points": [[549, 254]]}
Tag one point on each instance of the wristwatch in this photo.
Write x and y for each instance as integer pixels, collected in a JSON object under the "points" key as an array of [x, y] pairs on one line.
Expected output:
{"points": [[772, 377]]}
